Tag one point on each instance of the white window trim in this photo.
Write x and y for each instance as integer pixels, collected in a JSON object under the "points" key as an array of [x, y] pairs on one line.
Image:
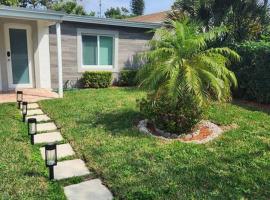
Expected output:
{"points": [[94, 32]]}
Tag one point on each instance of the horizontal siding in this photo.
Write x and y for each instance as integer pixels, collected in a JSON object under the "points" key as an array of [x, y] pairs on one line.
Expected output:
{"points": [[131, 42]]}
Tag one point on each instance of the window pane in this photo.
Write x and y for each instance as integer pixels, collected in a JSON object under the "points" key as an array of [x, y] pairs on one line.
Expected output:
{"points": [[89, 44], [106, 50]]}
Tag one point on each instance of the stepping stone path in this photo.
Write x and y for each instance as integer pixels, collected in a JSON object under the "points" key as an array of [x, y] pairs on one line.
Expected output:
{"points": [[46, 127], [48, 138], [48, 132], [89, 190], [63, 150], [34, 112], [70, 168], [33, 106], [39, 118]]}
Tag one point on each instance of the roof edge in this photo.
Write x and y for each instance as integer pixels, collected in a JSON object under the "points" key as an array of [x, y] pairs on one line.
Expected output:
{"points": [[112, 22], [27, 13]]}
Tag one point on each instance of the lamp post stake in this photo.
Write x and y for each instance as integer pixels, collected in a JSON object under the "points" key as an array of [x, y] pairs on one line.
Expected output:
{"points": [[51, 172]]}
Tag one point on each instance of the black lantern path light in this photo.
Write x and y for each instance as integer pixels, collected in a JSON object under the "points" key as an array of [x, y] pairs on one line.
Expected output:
{"points": [[32, 129], [24, 110], [51, 158], [19, 97]]}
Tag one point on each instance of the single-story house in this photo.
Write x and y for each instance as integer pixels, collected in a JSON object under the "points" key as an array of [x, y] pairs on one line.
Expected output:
{"points": [[47, 49]]}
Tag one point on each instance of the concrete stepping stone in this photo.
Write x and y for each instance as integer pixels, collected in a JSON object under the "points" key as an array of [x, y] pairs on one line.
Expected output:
{"points": [[46, 127], [48, 137], [33, 106], [39, 118], [34, 112], [63, 150], [70, 168], [89, 190]]}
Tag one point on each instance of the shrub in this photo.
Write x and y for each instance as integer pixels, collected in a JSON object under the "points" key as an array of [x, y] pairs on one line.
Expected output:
{"points": [[96, 79], [253, 73], [175, 117], [127, 78]]}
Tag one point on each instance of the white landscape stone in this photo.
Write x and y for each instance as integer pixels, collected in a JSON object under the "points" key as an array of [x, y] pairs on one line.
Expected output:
{"points": [[33, 106], [39, 118], [46, 127], [89, 190], [34, 112], [48, 137], [63, 150], [70, 168]]}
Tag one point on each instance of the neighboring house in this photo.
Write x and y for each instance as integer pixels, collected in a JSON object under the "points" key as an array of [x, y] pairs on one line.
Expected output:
{"points": [[158, 17], [46, 49]]}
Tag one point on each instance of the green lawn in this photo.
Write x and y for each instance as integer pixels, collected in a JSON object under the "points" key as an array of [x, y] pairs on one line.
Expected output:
{"points": [[100, 126], [23, 174]]}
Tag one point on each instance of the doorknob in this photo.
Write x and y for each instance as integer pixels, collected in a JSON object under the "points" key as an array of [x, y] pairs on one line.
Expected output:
{"points": [[8, 54]]}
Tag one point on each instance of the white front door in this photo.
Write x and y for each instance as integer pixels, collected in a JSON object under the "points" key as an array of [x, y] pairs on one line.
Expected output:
{"points": [[19, 55]]}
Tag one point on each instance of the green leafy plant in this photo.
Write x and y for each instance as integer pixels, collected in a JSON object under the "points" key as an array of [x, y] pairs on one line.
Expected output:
{"points": [[182, 74], [127, 78], [245, 19], [96, 79], [173, 116], [180, 62], [253, 72]]}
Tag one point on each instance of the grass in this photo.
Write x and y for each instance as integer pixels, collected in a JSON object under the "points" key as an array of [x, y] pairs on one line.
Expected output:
{"points": [[100, 126], [23, 174]]}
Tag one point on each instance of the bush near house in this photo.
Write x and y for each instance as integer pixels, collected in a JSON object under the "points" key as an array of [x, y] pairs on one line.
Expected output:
{"points": [[97, 79], [176, 117], [253, 73], [127, 78]]}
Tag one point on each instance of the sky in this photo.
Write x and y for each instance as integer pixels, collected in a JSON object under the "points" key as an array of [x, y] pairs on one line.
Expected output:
{"points": [[151, 6]]}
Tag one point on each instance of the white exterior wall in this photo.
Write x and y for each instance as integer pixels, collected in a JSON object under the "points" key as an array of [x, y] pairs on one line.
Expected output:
{"points": [[42, 56]]}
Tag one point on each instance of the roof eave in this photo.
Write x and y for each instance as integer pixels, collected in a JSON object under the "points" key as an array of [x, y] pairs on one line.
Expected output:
{"points": [[112, 22], [30, 14]]}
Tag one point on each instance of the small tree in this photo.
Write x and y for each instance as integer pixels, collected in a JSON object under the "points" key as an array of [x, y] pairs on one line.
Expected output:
{"points": [[117, 13], [70, 7], [137, 7], [182, 73]]}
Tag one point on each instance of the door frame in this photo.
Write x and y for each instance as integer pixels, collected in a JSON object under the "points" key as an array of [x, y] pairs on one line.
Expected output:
{"points": [[28, 29], [1, 87]]}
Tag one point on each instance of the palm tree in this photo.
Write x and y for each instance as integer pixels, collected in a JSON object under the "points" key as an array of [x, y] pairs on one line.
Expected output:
{"points": [[180, 62]]}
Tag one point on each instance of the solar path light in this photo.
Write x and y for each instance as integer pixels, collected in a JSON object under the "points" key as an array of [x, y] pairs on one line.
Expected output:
{"points": [[51, 158], [19, 98], [32, 128], [24, 110]]}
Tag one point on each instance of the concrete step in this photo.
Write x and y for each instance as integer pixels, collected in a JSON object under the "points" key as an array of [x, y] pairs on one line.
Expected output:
{"points": [[89, 190], [39, 118], [34, 112], [33, 106], [46, 127], [70, 168], [63, 150], [48, 138]]}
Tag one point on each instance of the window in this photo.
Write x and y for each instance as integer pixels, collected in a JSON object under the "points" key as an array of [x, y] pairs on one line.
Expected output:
{"points": [[90, 50], [97, 49]]}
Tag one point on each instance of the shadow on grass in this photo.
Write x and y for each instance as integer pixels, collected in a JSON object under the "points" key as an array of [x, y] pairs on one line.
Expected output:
{"points": [[34, 174], [252, 106], [119, 122]]}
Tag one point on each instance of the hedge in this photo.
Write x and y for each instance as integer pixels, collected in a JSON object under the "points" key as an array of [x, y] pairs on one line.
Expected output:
{"points": [[253, 73], [127, 78], [97, 79]]}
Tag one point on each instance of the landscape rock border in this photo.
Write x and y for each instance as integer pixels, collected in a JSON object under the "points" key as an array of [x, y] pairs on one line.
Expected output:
{"points": [[213, 129]]}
